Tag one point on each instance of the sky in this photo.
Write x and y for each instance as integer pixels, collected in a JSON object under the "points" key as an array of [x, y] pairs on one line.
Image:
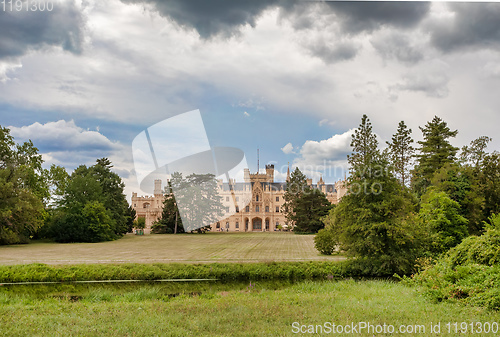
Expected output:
{"points": [[290, 78]]}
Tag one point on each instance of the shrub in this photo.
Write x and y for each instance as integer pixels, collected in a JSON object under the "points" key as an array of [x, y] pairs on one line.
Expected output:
{"points": [[469, 273], [325, 241]]}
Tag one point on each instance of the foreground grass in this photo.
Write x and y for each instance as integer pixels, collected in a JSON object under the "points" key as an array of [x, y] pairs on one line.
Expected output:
{"points": [[191, 248], [252, 311]]}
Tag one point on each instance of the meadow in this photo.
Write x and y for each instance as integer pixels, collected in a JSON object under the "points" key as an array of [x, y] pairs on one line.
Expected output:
{"points": [[185, 248], [269, 284], [252, 310]]}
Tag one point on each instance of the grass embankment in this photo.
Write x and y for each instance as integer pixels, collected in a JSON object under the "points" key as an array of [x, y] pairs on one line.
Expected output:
{"points": [[220, 271], [253, 311]]}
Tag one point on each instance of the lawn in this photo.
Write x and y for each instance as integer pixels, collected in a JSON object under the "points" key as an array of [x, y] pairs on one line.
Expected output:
{"points": [[256, 310], [184, 248]]}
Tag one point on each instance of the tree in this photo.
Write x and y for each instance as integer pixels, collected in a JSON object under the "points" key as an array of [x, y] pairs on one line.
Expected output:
{"points": [[304, 206], [197, 199], [474, 154], [365, 148], [170, 221], [461, 184], [374, 225], [294, 190], [489, 178], [93, 207], [435, 152], [140, 223], [441, 217], [325, 241], [131, 214], [402, 152], [373, 221], [22, 190], [309, 208]]}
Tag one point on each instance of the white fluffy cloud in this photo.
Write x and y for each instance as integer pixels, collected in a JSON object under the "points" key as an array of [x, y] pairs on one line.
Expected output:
{"points": [[287, 149], [62, 136], [328, 156]]}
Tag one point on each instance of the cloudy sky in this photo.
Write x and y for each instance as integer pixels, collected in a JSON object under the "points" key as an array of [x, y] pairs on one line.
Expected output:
{"points": [[292, 78]]}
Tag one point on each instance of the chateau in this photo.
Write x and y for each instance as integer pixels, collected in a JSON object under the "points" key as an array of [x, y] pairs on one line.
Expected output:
{"points": [[261, 195]]}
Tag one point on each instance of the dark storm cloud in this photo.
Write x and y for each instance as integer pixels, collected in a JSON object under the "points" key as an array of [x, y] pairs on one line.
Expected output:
{"points": [[362, 16], [224, 17], [398, 46], [339, 51], [22, 31], [210, 18], [473, 25]]}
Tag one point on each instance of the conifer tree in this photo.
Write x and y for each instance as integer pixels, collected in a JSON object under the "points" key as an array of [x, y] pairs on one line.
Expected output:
{"points": [[364, 146], [401, 152], [304, 206], [435, 152]]}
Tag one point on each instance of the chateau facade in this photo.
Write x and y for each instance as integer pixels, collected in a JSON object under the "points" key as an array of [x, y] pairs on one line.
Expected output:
{"points": [[261, 195]]}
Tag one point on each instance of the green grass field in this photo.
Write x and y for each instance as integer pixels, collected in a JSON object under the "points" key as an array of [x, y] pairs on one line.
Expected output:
{"points": [[251, 311], [189, 248]]}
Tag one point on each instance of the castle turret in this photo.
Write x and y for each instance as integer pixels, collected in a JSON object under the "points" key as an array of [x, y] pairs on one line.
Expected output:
{"points": [[157, 190], [270, 173]]}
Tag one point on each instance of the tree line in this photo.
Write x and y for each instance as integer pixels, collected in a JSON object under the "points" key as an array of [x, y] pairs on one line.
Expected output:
{"points": [[416, 202], [87, 205]]}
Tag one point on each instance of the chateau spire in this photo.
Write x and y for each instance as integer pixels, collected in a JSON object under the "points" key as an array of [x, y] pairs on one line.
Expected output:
{"points": [[288, 173]]}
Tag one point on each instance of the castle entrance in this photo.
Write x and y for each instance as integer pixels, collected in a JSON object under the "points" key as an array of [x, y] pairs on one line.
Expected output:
{"points": [[257, 224]]}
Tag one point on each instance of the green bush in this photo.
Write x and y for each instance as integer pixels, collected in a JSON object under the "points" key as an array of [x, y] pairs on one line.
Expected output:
{"points": [[469, 273], [325, 241]]}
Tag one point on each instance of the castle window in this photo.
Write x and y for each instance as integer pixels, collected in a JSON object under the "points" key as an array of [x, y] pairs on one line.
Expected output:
{"points": [[237, 224], [256, 198], [257, 209], [237, 209], [218, 225], [146, 205], [227, 198], [227, 209], [247, 209], [267, 209], [135, 205], [277, 198], [277, 209], [277, 224], [227, 224]]}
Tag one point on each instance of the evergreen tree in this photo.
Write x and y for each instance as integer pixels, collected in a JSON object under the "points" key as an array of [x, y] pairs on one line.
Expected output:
{"points": [[294, 190], [401, 152], [304, 206], [474, 154], [372, 222], [170, 221], [308, 211], [435, 152], [365, 148]]}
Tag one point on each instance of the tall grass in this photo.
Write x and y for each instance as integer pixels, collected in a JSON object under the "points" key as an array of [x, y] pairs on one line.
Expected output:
{"points": [[221, 271]]}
